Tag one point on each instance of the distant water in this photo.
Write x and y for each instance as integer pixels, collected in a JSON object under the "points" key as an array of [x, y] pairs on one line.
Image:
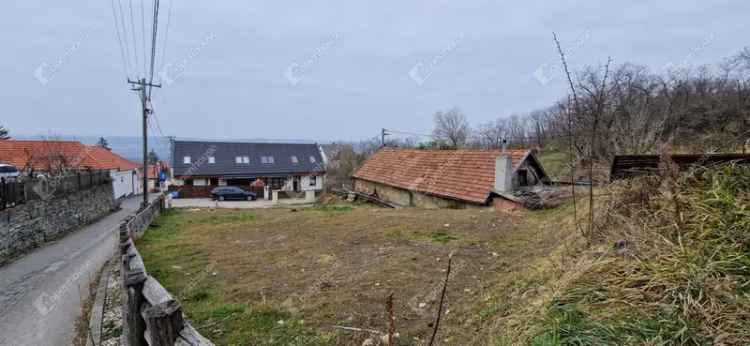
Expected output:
{"points": [[128, 147]]}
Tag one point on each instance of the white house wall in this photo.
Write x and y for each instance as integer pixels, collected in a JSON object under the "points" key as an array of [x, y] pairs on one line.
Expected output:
{"points": [[125, 183], [305, 182]]}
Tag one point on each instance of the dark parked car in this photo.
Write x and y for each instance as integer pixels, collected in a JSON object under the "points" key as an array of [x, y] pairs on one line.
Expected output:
{"points": [[231, 192]]}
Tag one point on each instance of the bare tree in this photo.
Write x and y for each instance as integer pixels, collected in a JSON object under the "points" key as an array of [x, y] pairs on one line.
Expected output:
{"points": [[4, 134], [451, 126], [491, 134]]}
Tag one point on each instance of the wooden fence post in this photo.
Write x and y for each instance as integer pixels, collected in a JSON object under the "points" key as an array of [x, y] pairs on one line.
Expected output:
{"points": [[133, 280], [162, 314]]}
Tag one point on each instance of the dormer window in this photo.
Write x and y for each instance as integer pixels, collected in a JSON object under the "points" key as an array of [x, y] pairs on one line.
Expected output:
{"points": [[241, 159], [212, 160], [266, 159], [187, 160], [312, 159], [295, 160]]}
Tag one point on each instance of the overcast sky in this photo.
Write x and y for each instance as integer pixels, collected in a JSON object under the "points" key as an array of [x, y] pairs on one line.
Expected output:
{"points": [[329, 70]]}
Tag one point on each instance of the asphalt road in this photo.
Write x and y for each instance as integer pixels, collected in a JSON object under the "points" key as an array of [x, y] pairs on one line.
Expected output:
{"points": [[41, 293]]}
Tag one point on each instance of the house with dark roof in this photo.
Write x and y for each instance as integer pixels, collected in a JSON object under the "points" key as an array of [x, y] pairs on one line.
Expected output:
{"points": [[292, 167], [449, 178]]}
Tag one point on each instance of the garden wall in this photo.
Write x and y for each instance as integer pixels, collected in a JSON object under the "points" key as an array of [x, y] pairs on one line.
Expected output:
{"points": [[37, 221]]}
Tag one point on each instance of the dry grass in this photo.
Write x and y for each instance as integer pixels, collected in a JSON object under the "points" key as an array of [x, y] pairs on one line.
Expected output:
{"points": [[281, 277], [679, 273]]}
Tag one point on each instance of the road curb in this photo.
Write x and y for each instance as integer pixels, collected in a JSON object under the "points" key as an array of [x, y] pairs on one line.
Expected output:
{"points": [[94, 332]]}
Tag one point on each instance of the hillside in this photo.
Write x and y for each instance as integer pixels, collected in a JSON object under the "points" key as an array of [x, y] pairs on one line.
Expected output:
{"points": [[669, 265]]}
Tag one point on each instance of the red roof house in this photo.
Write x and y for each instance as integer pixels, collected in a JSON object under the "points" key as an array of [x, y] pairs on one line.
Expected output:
{"points": [[447, 178], [46, 156]]}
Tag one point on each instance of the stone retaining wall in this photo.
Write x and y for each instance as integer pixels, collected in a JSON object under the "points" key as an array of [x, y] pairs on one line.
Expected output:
{"points": [[30, 225]]}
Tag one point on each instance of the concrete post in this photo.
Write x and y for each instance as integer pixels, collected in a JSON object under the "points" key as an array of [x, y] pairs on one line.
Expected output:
{"points": [[309, 196], [275, 196]]}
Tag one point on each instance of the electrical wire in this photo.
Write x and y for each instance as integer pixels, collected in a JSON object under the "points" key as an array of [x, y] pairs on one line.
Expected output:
{"points": [[166, 37], [135, 45], [154, 29], [143, 39], [125, 64]]}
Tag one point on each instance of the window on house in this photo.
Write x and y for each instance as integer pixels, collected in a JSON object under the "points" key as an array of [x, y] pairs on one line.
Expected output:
{"points": [[186, 160], [189, 182], [266, 159], [246, 159], [238, 159], [270, 159], [312, 159], [313, 180], [294, 160], [211, 159]]}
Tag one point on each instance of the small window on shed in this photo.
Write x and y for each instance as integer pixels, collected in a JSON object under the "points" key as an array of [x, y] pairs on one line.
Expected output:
{"points": [[295, 160], [312, 159], [523, 178], [186, 160]]}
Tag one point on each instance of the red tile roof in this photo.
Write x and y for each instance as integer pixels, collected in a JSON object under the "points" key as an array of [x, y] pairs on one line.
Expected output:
{"points": [[464, 174], [46, 155], [106, 159]]}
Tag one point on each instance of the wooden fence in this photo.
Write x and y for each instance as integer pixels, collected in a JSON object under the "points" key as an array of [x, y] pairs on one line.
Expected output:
{"points": [[13, 193], [151, 315]]}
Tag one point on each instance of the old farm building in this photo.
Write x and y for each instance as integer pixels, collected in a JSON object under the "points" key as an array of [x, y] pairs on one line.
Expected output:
{"points": [[449, 178]]}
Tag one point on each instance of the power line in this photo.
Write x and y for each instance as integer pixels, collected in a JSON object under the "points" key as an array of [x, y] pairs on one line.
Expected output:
{"points": [[153, 43], [166, 35], [125, 36], [135, 45], [143, 38], [391, 131], [119, 39]]}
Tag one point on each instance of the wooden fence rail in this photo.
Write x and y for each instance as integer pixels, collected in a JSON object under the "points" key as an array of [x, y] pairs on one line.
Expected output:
{"points": [[151, 315]]}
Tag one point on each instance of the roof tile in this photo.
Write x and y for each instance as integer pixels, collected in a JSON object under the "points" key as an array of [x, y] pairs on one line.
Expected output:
{"points": [[464, 174]]}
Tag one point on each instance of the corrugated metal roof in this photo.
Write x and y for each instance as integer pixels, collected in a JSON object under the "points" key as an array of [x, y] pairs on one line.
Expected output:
{"points": [[627, 166], [309, 158]]}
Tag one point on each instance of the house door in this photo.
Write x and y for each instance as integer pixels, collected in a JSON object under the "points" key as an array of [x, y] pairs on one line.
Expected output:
{"points": [[295, 184]]}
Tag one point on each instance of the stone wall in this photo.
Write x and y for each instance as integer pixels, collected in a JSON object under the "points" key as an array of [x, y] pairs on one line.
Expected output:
{"points": [[28, 226], [408, 198]]}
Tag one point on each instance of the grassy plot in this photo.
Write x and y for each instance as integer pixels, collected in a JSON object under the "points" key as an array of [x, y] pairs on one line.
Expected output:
{"points": [[286, 277]]}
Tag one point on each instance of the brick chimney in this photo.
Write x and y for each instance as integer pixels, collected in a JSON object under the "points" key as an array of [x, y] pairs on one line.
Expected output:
{"points": [[504, 173]]}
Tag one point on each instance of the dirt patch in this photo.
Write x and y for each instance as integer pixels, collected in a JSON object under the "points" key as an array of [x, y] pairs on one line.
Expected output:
{"points": [[279, 277]]}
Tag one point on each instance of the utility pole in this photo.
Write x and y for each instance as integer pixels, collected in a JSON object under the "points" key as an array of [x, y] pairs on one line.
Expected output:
{"points": [[383, 133], [145, 106]]}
